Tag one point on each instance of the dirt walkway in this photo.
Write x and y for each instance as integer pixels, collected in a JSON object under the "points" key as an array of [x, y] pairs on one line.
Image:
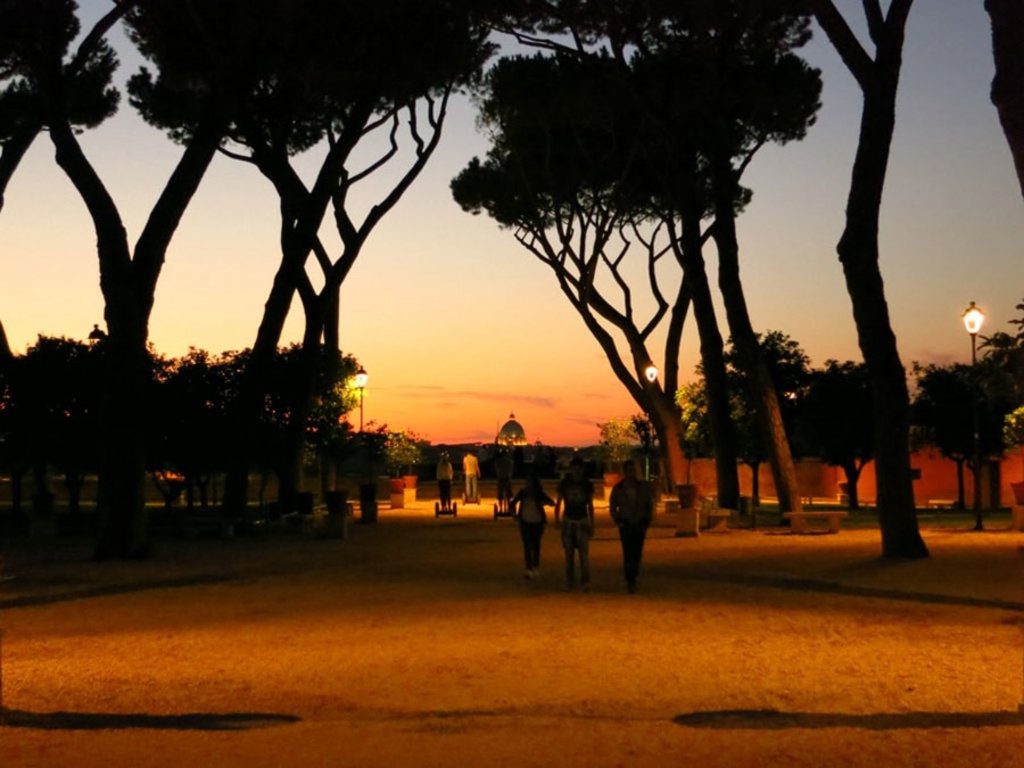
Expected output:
{"points": [[417, 642]]}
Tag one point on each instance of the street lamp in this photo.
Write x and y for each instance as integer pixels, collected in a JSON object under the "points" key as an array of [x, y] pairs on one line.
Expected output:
{"points": [[361, 378], [651, 374], [973, 318]]}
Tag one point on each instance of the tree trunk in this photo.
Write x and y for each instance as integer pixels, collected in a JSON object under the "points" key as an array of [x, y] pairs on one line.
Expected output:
{"points": [[17, 490], [759, 380], [120, 498], [961, 496], [128, 283], [712, 358], [667, 425], [858, 253], [12, 152], [246, 408], [301, 215], [1007, 17], [73, 483], [755, 484], [852, 472], [6, 356]]}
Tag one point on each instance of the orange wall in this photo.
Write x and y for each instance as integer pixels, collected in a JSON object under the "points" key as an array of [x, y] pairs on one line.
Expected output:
{"points": [[818, 480]]}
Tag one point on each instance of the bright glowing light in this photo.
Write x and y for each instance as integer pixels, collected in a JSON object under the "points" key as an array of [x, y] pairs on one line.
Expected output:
{"points": [[651, 372], [361, 377], [973, 318]]}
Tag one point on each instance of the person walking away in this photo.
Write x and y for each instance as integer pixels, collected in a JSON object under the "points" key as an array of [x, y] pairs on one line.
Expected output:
{"points": [[576, 498], [444, 481], [503, 466], [528, 506], [471, 469], [632, 506]]}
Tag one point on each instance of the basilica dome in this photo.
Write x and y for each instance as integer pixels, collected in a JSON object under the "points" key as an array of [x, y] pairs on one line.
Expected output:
{"points": [[512, 433]]}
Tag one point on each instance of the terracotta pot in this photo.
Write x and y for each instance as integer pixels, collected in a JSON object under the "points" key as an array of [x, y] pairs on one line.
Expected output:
{"points": [[396, 484], [410, 480], [687, 494], [611, 479], [1018, 492]]}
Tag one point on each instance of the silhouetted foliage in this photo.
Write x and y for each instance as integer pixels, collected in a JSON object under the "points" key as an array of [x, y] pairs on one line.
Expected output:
{"points": [[835, 420], [944, 411]]}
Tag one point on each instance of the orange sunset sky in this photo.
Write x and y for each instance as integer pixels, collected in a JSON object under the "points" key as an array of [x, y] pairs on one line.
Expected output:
{"points": [[458, 326]]}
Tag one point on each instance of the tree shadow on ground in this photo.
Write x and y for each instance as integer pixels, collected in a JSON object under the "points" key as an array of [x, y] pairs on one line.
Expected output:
{"points": [[770, 719], [108, 590], [836, 588], [95, 721]]}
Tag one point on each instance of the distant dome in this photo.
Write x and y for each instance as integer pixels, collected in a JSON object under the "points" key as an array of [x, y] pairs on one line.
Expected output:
{"points": [[512, 433]]}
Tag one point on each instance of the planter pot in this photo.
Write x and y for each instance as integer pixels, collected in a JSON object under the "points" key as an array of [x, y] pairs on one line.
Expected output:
{"points": [[396, 485], [409, 480], [368, 503], [1018, 493], [336, 502], [687, 494]]}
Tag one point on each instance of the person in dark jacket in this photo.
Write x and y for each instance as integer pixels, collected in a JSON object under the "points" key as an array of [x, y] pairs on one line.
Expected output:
{"points": [[632, 507], [528, 506], [576, 501]]}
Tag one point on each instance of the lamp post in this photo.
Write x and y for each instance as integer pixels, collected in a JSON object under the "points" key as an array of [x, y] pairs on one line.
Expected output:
{"points": [[361, 378], [651, 374], [973, 317]]}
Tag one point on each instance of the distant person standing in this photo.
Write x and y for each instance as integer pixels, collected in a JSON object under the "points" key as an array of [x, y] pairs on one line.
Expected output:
{"points": [[528, 505], [632, 508], [576, 499], [444, 481], [503, 466], [471, 469]]}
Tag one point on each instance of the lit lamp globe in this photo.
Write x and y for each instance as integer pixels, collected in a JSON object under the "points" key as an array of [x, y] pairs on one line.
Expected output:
{"points": [[651, 372], [973, 319], [361, 377]]}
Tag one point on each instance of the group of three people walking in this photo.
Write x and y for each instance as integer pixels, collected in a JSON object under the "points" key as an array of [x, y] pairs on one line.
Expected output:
{"points": [[631, 505]]}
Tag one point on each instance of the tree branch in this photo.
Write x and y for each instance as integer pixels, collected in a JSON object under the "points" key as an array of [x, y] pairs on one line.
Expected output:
{"points": [[856, 59]]}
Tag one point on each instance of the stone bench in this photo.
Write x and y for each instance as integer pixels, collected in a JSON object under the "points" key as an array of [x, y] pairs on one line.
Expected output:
{"points": [[941, 503], [712, 516], [798, 520]]}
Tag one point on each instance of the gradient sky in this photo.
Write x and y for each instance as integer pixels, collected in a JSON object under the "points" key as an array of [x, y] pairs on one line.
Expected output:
{"points": [[458, 326]]}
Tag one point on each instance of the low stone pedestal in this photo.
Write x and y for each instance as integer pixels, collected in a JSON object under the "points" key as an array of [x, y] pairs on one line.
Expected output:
{"points": [[1017, 518], [688, 525]]}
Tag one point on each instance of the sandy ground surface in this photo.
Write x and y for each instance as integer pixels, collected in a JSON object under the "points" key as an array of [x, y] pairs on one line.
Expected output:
{"points": [[417, 642]]}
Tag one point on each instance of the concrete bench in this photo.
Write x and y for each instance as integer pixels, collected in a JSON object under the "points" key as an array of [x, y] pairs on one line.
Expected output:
{"points": [[719, 519], [712, 516], [941, 503], [798, 520]]}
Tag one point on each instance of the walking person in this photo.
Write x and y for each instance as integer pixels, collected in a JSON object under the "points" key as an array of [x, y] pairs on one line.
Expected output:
{"points": [[471, 469], [444, 481], [576, 498], [528, 506], [632, 506]]}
